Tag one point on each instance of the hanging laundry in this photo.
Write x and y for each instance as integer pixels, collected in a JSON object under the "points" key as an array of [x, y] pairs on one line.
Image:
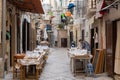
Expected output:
{"points": [[48, 27], [45, 34], [71, 5], [68, 13], [63, 18], [62, 15]]}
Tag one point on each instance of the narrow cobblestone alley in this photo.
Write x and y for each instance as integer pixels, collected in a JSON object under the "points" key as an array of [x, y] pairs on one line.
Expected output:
{"points": [[57, 67], [59, 40]]}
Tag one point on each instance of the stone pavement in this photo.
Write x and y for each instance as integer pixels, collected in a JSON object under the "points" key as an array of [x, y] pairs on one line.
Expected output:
{"points": [[58, 68]]}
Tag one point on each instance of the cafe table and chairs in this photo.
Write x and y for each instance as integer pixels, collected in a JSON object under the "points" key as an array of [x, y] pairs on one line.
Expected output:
{"points": [[44, 48], [31, 59]]}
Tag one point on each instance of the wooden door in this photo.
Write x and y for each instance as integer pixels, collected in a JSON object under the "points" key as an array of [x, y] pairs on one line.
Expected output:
{"points": [[110, 46], [63, 42]]}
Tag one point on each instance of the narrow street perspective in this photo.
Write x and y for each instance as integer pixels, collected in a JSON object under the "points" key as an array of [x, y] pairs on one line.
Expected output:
{"points": [[57, 67], [59, 39]]}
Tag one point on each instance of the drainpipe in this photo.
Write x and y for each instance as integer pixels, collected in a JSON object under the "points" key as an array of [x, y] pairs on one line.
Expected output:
{"points": [[3, 33]]}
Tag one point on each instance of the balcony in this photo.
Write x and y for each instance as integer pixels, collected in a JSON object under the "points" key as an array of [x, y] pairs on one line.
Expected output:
{"points": [[91, 7], [91, 11]]}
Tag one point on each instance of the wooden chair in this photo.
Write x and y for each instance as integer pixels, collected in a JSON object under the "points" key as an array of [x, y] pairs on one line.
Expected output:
{"points": [[39, 66], [38, 70], [16, 65]]}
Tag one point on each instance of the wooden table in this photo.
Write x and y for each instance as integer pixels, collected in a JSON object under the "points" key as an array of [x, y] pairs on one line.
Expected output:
{"points": [[74, 57], [16, 62], [31, 61]]}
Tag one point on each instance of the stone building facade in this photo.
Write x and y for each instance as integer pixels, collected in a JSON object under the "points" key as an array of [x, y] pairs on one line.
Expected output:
{"points": [[17, 38], [107, 28]]}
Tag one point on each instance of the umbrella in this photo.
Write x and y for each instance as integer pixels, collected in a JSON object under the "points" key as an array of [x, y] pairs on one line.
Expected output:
{"points": [[62, 15], [71, 5]]}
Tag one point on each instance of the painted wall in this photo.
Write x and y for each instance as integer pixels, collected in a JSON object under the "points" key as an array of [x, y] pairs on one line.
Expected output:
{"points": [[0, 23], [87, 31], [1, 63], [112, 16]]}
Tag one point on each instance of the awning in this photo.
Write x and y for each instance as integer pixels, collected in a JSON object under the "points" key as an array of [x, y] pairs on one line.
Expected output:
{"points": [[111, 5], [101, 10], [33, 6]]}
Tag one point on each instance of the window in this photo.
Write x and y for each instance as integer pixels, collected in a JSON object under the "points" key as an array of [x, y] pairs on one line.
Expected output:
{"points": [[92, 4]]}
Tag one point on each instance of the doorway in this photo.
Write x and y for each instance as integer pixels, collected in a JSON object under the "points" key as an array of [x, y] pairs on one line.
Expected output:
{"points": [[25, 36], [24, 28], [92, 40], [63, 42], [11, 55], [96, 37], [83, 34], [111, 36], [28, 36], [71, 37]]}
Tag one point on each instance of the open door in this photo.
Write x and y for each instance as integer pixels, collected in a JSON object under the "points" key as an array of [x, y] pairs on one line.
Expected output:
{"points": [[92, 40], [24, 42]]}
